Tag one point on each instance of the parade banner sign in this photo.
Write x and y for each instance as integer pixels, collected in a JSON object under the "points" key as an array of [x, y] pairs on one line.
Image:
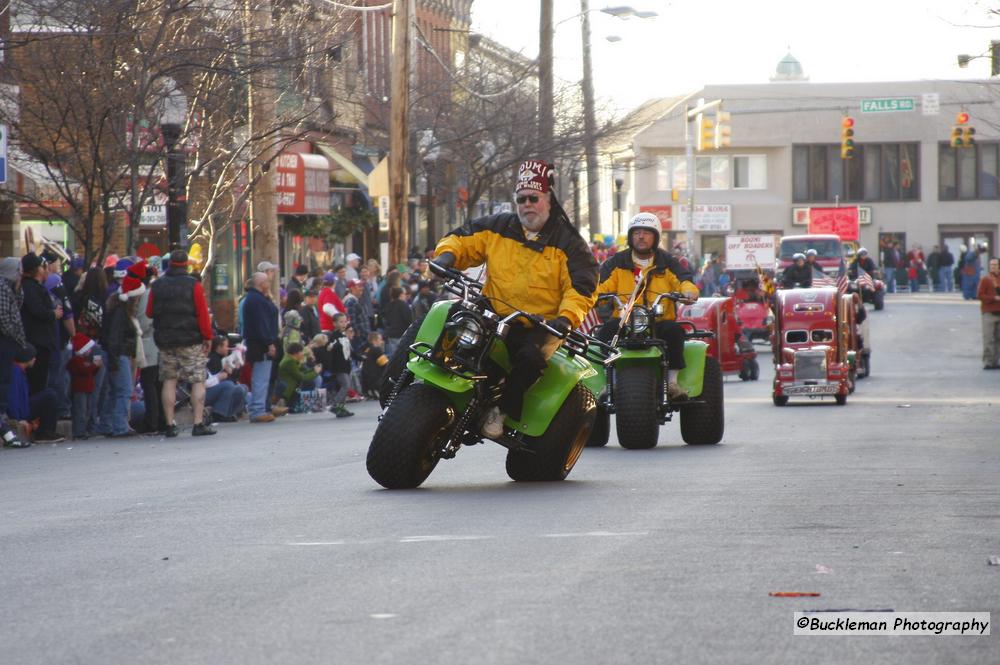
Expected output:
{"points": [[747, 252], [839, 221]]}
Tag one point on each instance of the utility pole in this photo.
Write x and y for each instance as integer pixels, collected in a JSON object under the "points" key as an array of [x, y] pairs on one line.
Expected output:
{"points": [[590, 127], [546, 31], [399, 130], [263, 210]]}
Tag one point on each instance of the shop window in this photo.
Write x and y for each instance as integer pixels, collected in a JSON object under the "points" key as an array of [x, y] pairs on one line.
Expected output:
{"points": [[750, 172], [878, 172], [968, 173]]}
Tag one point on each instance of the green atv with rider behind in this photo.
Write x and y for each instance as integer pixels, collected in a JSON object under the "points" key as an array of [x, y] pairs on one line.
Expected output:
{"points": [[449, 370], [635, 386]]}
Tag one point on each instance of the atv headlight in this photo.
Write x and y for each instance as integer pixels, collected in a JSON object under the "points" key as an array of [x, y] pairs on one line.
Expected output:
{"points": [[470, 334], [640, 320]]}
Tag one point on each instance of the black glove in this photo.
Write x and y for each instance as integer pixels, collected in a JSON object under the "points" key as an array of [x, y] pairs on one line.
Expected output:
{"points": [[560, 323], [445, 259]]}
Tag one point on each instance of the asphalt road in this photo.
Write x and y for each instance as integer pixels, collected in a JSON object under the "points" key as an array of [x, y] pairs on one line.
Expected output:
{"points": [[270, 544]]}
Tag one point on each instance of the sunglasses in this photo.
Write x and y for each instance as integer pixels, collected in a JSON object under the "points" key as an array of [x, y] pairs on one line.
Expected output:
{"points": [[530, 197]]}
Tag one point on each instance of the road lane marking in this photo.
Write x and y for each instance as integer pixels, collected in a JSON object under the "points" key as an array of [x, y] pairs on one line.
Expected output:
{"points": [[439, 539], [885, 400], [317, 544], [383, 616], [596, 534]]}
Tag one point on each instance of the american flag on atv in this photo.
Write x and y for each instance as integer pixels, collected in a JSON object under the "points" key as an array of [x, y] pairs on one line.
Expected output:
{"points": [[821, 279]]}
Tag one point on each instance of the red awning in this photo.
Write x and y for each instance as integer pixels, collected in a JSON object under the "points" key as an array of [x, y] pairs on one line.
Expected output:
{"points": [[302, 184]]}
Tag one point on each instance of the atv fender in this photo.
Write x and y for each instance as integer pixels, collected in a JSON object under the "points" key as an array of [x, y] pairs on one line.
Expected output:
{"points": [[546, 396]]}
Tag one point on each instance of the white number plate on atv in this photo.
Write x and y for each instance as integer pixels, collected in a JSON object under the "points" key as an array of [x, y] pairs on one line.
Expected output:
{"points": [[831, 389]]}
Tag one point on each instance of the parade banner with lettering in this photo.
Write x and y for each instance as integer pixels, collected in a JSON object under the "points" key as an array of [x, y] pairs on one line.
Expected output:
{"points": [[838, 221], [747, 252]]}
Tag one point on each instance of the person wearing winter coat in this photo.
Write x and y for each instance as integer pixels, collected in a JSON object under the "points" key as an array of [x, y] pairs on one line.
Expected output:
{"points": [[121, 336], [82, 367]]}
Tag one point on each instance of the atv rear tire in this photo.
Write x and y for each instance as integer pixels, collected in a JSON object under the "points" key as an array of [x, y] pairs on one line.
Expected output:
{"points": [[704, 424], [780, 400], [754, 370], [879, 300], [553, 454], [402, 451], [601, 431], [636, 401], [397, 363], [865, 366]]}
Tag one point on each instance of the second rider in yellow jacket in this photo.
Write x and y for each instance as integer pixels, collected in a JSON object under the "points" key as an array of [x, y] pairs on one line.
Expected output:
{"points": [[663, 273]]}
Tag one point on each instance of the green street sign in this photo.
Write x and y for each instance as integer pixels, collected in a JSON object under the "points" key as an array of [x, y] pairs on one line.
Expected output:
{"points": [[888, 105]]}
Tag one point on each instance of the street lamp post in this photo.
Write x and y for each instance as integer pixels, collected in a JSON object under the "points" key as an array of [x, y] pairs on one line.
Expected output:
{"points": [[171, 123]]}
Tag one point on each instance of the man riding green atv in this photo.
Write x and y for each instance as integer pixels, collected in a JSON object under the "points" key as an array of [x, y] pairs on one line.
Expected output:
{"points": [[489, 365], [662, 367]]}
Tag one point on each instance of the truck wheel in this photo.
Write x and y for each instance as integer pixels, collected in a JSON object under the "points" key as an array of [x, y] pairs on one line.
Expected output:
{"points": [[841, 399], [397, 363], [601, 431], [879, 300], [636, 416], [780, 400], [554, 453], [754, 370], [401, 454], [703, 424]]}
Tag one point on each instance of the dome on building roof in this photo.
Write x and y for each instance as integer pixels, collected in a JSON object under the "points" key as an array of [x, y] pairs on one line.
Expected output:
{"points": [[789, 69]]}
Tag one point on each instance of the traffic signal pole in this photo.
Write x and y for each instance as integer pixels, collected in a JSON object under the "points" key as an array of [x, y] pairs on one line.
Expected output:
{"points": [[694, 114]]}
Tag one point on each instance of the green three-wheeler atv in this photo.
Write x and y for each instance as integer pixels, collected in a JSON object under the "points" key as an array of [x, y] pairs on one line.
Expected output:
{"points": [[450, 369]]}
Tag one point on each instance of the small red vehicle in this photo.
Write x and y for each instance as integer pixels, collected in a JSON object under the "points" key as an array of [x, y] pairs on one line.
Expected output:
{"points": [[735, 354], [814, 344]]}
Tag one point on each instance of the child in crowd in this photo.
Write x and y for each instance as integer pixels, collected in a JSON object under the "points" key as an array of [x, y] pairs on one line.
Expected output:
{"points": [[26, 409], [340, 364], [373, 364], [324, 358], [294, 374], [83, 367]]}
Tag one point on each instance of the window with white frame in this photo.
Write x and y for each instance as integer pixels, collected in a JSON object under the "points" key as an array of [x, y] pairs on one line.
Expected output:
{"points": [[749, 171], [671, 172]]}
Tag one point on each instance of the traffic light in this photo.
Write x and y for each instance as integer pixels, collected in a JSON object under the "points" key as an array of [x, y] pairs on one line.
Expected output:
{"points": [[723, 131], [706, 132], [963, 134], [847, 138]]}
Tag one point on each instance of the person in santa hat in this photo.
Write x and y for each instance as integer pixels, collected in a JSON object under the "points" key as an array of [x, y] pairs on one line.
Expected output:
{"points": [[82, 367], [120, 337]]}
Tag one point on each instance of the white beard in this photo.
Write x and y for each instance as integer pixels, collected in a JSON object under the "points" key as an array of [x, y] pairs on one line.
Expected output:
{"points": [[533, 226]]}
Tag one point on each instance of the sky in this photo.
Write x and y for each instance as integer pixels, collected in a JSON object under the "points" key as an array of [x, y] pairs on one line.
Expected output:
{"points": [[692, 43]]}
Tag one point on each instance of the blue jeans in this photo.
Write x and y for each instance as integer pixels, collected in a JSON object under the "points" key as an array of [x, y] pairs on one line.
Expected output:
{"points": [[59, 378], [114, 414], [890, 279], [100, 393], [946, 279], [226, 398], [258, 388], [81, 413]]}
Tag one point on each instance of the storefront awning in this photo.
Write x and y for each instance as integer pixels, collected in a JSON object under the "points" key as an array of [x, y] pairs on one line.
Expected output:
{"points": [[302, 184], [344, 170]]}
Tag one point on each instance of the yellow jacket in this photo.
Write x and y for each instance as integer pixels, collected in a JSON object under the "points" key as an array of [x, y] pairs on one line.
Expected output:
{"points": [[619, 274], [553, 275]]}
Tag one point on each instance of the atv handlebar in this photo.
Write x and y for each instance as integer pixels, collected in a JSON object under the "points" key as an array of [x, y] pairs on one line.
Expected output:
{"points": [[675, 296]]}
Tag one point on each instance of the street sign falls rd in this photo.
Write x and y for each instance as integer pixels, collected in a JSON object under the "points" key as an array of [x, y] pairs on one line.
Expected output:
{"points": [[888, 105]]}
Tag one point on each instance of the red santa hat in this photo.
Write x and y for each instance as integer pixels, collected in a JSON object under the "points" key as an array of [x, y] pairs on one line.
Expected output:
{"points": [[132, 287], [138, 270], [534, 174], [82, 345]]}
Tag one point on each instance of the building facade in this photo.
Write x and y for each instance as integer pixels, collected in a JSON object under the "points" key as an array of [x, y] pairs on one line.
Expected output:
{"points": [[909, 183]]}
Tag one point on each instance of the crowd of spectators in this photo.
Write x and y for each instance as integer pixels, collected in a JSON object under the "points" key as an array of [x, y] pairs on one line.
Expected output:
{"points": [[118, 348]]}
